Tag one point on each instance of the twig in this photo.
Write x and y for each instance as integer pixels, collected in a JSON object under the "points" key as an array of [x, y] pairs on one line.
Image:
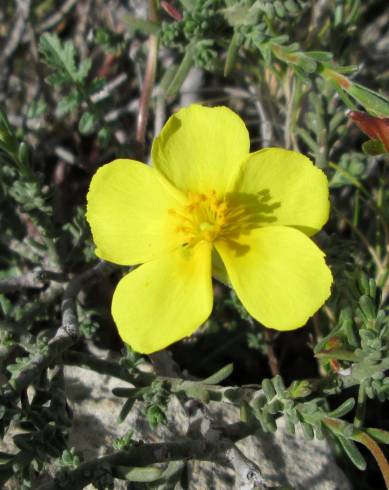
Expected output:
{"points": [[106, 367], [164, 364], [271, 355], [377, 453], [84, 16], [69, 310], [290, 92], [14, 39], [148, 82], [113, 115], [109, 88], [46, 297], [148, 454], [139, 378], [247, 473], [29, 280], [265, 125], [16, 34], [160, 111], [58, 16], [66, 335]]}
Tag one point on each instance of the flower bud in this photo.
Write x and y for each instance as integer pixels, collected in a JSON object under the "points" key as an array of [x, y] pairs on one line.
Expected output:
{"points": [[374, 127]]}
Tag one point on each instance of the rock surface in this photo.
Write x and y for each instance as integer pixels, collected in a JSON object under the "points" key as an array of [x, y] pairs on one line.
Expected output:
{"points": [[282, 458]]}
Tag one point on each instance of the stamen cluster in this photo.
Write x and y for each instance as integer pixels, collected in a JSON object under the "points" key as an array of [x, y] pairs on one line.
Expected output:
{"points": [[204, 217]]}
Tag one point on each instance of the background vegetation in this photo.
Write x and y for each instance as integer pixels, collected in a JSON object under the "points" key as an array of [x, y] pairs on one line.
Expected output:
{"points": [[83, 82]]}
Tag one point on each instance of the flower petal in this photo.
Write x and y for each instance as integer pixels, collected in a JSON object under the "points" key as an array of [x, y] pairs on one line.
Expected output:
{"points": [[279, 275], [201, 148], [128, 213], [296, 190], [164, 300]]}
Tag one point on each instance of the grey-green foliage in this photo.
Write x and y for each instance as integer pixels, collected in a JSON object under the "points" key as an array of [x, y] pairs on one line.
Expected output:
{"points": [[20, 182], [110, 41], [255, 25], [351, 170], [324, 123], [246, 39], [61, 57], [78, 230], [44, 422], [361, 340], [155, 396], [67, 74]]}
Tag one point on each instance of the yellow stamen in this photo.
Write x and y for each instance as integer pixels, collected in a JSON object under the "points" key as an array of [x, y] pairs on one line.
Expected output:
{"points": [[210, 217]]}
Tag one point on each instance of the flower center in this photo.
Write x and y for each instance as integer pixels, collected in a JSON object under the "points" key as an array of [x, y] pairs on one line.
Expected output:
{"points": [[202, 218], [209, 217]]}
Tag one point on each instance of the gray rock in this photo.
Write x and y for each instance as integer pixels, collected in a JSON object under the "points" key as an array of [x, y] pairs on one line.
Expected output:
{"points": [[282, 458]]}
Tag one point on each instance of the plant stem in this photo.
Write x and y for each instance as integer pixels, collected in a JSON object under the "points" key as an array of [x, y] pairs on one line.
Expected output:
{"points": [[148, 82], [377, 453]]}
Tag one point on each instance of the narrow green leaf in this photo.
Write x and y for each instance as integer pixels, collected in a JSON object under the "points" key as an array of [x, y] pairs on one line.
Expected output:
{"points": [[373, 147], [23, 154], [339, 354], [104, 136], [363, 282], [292, 7], [126, 408], [343, 409], [353, 180], [368, 307], [231, 54], [279, 8], [244, 411], [336, 121], [347, 100], [141, 25], [279, 385], [307, 431], [182, 71], [268, 389], [308, 64], [373, 102], [308, 140], [220, 375], [353, 452], [143, 475], [372, 288], [87, 123], [126, 392], [269, 422], [379, 435], [198, 392]]}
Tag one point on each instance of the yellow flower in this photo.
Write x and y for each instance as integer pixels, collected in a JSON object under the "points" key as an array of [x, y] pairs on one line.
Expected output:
{"points": [[208, 207]]}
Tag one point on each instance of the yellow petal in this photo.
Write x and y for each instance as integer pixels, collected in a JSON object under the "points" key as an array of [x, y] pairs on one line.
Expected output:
{"points": [[201, 148], [295, 191], [164, 300], [128, 212], [279, 275]]}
